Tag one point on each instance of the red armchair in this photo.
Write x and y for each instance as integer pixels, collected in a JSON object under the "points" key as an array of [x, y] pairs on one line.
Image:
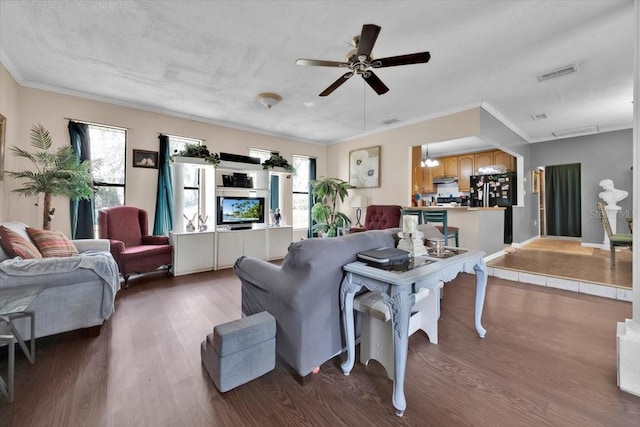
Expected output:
{"points": [[379, 217], [133, 249]]}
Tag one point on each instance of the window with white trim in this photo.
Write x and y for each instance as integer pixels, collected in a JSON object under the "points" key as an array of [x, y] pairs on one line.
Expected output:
{"points": [[300, 200], [192, 178], [108, 154]]}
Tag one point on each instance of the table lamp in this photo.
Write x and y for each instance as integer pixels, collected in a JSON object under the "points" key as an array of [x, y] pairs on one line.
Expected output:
{"points": [[356, 202]]}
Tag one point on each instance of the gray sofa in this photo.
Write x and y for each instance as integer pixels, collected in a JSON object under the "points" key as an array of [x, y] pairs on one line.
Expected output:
{"points": [[79, 292]]}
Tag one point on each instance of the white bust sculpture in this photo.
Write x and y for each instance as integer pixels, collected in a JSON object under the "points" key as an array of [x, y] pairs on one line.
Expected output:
{"points": [[610, 194]]}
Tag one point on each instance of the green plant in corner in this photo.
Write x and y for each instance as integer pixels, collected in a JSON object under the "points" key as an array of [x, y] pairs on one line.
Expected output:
{"points": [[56, 173], [198, 151], [325, 214], [276, 160]]}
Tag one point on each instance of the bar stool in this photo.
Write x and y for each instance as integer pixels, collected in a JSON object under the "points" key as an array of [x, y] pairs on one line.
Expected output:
{"points": [[416, 212], [440, 217]]}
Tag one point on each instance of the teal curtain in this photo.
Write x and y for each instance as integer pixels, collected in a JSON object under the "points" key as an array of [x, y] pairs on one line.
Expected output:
{"points": [[563, 200], [312, 176], [163, 222], [274, 197], [82, 211]]}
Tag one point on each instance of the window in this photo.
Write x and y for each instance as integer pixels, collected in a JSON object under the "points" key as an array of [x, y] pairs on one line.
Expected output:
{"points": [[301, 192], [108, 153], [261, 154], [192, 178]]}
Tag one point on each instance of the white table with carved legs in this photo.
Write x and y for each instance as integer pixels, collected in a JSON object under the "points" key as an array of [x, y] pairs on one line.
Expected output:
{"points": [[398, 290]]}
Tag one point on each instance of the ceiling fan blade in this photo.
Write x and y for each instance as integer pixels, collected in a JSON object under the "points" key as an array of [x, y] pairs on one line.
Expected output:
{"points": [[335, 85], [368, 38], [321, 63], [392, 61], [375, 82]]}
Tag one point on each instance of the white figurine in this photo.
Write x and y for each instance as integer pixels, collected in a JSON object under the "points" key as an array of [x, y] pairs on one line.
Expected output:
{"points": [[610, 194]]}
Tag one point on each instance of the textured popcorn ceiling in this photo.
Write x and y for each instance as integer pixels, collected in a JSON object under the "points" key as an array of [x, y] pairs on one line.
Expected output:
{"points": [[208, 60]]}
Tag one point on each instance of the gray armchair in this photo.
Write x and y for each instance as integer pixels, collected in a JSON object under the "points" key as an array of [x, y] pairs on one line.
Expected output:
{"points": [[303, 294]]}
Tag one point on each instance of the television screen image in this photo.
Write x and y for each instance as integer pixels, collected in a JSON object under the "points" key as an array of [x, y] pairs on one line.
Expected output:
{"points": [[240, 210]]}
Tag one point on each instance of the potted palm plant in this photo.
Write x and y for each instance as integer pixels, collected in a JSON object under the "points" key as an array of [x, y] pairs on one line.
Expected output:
{"points": [[325, 214], [56, 173]]}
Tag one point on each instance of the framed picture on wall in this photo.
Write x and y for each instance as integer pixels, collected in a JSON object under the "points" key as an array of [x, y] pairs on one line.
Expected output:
{"points": [[535, 181], [364, 167], [145, 159]]}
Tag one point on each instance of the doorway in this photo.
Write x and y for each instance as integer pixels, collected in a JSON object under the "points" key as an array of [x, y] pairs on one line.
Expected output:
{"points": [[562, 200]]}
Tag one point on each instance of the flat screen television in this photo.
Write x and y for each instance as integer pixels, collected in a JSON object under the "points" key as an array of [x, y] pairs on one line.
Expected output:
{"points": [[240, 212]]}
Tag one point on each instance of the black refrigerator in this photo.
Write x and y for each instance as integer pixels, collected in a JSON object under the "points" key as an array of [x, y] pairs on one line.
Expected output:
{"points": [[496, 190]]}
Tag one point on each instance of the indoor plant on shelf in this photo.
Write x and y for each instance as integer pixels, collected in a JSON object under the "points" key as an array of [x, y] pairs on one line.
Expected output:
{"points": [[197, 151], [56, 173], [276, 160], [325, 214]]}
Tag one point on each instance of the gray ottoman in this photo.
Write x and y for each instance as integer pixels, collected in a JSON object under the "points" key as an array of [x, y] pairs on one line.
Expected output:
{"points": [[240, 351]]}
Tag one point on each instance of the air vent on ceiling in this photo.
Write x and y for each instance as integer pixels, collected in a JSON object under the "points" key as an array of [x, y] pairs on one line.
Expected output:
{"points": [[562, 71], [576, 131], [540, 116], [390, 121]]}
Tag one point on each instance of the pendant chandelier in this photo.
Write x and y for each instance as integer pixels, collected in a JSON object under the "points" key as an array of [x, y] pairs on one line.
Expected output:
{"points": [[427, 161]]}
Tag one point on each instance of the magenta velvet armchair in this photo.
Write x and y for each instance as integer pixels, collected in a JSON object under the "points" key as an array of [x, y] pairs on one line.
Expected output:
{"points": [[134, 250]]}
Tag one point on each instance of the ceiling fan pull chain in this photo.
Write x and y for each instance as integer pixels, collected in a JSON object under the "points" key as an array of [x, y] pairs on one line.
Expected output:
{"points": [[364, 107]]}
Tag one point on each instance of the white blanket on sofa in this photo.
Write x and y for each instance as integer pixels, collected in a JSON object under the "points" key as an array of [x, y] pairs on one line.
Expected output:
{"points": [[102, 263]]}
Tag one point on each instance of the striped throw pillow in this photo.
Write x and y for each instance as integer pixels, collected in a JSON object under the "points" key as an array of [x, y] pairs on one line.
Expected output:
{"points": [[16, 245], [51, 243]]}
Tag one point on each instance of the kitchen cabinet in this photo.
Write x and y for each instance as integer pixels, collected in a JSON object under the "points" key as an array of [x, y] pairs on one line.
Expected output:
{"points": [[416, 169], [502, 158], [465, 170], [427, 180], [482, 159], [449, 166], [462, 166]]}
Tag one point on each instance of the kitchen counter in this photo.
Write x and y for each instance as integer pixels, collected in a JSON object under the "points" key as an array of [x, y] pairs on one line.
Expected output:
{"points": [[467, 208], [479, 228]]}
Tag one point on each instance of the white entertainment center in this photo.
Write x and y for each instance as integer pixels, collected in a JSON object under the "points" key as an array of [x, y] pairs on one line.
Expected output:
{"points": [[221, 245]]}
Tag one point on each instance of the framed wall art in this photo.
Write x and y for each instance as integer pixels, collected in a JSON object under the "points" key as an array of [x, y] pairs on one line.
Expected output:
{"points": [[145, 159], [535, 182], [364, 167]]}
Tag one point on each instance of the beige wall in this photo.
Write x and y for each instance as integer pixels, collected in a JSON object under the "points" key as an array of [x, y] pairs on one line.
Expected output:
{"points": [[50, 109], [395, 155], [9, 109]]}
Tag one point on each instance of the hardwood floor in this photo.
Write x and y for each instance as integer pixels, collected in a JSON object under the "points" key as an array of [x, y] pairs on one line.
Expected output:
{"points": [[546, 360], [566, 259]]}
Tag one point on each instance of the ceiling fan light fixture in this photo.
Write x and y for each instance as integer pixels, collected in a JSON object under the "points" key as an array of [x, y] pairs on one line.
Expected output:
{"points": [[268, 99]]}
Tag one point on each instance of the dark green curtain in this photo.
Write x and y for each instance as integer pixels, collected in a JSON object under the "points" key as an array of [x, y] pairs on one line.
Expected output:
{"points": [[82, 211], [163, 222], [312, 176], [563, 200]]}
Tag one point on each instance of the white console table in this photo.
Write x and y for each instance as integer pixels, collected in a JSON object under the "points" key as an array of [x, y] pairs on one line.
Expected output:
{"points": [[398, 290]]}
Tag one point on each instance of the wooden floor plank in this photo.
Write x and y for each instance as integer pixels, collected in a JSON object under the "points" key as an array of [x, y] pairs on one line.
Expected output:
{"points": [[549, 358]]}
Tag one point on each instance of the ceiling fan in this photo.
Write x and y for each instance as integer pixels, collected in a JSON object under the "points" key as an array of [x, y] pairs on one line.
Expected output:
{"points": [[359, 60]]}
